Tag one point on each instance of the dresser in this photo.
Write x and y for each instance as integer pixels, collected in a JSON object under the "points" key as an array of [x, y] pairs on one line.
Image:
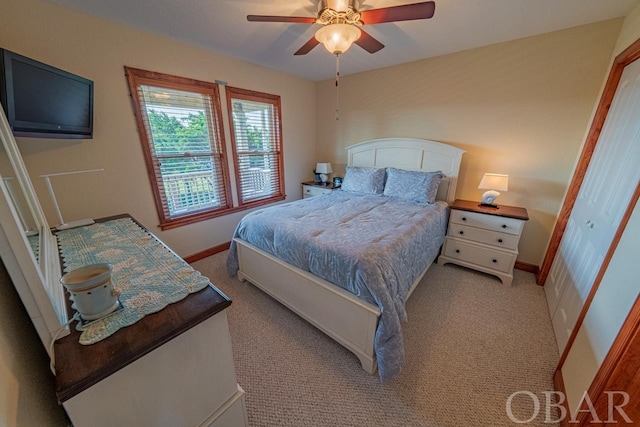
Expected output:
{"points": [[310, 189], [484, 238], [171, 368]]}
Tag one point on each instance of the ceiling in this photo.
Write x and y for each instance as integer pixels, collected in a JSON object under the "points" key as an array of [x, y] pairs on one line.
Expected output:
{"points": [[221, 26]]}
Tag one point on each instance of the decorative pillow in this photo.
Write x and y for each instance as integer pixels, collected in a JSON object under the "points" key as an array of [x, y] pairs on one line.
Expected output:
{"points": [[363, 180], [414, 186]]}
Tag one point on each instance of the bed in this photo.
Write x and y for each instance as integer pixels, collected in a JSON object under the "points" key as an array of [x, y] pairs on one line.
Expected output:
{"points": [[377, 272]]}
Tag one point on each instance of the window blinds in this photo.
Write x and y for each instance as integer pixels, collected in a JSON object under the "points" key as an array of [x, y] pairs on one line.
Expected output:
{"points": [[185, 151], [257, 143]]}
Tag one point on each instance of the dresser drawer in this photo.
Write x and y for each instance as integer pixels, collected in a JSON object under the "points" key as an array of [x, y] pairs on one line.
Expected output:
{"points": [[310, 191], [489, 237], [489, 222], [479, 255]]}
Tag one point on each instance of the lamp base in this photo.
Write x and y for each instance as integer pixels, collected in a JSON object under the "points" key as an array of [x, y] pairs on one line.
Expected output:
{"points": [[489, 197], [488, 205]]}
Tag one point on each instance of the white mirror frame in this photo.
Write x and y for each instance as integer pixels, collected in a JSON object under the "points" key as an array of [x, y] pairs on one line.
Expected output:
{"points": [[37, 283]]}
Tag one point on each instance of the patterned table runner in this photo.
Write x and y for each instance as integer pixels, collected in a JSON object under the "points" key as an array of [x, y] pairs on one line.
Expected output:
{"points": [[148, 275]]}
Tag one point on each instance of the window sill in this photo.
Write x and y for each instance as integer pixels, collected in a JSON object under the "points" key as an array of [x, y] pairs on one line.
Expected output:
{"points": [[205, 215]]}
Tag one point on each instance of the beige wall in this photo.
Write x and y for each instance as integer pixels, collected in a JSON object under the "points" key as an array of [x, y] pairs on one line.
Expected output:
{"points": [[628, 34], [98, 49], [630, 31], [520, 108]]}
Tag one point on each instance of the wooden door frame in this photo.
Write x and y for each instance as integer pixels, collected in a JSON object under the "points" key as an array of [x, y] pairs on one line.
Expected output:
{"points": [[627, 56]]}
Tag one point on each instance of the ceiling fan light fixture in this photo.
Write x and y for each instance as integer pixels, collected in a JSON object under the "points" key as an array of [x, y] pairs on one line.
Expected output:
{"points": [[337, 38]]}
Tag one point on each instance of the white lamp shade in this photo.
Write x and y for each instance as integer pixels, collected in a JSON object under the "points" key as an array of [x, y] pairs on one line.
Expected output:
{"points": [[494, 181], [324, 168], [337, 38]]}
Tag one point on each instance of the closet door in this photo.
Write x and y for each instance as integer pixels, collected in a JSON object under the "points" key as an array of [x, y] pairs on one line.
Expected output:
{"points": [[609, 182]]}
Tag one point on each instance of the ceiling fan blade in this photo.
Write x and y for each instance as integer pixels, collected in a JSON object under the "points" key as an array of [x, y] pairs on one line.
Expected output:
{"points": [[293, 19], [308, 46], [407, 12], [368, 43]]}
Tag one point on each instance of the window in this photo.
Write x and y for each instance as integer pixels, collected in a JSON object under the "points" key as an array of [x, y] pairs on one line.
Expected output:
{"points": [[179, 121], [180, 126], [256, 130]]}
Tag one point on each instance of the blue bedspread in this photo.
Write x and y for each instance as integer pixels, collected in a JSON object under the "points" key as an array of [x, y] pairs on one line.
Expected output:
{"points": [[373, 246]]}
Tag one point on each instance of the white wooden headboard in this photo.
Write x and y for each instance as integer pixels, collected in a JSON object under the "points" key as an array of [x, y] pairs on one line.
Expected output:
{"points": [[411, 154]]}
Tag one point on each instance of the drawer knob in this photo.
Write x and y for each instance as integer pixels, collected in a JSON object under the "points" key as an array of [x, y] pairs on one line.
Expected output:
{"points": [[461, 232], [504, 225], [457, 251], [464, 218], [499, 240], [495, 260]]}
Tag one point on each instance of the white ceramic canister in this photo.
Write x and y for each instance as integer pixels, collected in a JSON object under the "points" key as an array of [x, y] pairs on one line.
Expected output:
{"points": [[91, 290]]}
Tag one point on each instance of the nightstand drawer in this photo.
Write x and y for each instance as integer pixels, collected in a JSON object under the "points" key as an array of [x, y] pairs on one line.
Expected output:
{"points": [[479, 255], [490, 237], [490, 222], [311, 191]]}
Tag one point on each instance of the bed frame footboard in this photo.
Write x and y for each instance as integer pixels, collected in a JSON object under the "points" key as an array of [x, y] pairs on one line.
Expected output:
{"points": [[336, 312]]}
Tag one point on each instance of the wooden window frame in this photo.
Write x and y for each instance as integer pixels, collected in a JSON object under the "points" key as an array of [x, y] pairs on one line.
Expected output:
{"points": [[137, 77], [249, 95]]}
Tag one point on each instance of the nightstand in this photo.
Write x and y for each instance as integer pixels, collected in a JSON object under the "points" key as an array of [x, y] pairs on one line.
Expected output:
{"points": [[310, 189], [483, 238]]}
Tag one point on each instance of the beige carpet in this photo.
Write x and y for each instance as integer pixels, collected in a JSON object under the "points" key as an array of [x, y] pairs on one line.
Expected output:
{"points": [[470, 343]]}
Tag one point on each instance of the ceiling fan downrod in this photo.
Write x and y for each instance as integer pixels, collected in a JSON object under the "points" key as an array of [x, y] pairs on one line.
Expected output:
{"points": [[337, 86]]}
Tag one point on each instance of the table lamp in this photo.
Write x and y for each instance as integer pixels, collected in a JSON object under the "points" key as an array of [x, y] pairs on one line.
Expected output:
{"points": [[493, 182], [324, 169]]}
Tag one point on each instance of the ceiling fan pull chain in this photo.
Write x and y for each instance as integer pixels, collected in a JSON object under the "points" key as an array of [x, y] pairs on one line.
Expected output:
{"points": [[337, 86]]}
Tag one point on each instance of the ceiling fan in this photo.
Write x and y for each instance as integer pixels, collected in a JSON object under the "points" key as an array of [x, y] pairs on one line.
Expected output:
{"points": [[341, 21]]}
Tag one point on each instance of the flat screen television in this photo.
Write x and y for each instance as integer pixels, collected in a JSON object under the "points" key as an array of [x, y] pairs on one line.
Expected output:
{"points": [[42, 101]]}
